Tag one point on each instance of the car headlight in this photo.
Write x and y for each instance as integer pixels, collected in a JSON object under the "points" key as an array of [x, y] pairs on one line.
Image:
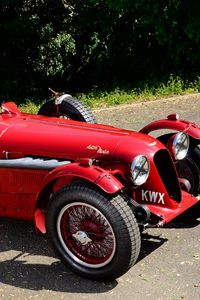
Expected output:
{"points": [[140, 169], [180, 145]]}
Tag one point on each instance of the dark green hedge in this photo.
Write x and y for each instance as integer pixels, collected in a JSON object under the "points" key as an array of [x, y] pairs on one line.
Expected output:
{"points": [[78, 44]]}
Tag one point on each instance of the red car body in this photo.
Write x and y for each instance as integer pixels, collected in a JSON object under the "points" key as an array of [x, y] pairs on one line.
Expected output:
{"points": [[29, 142], [79, 183], [174, 123], [189, 167]]}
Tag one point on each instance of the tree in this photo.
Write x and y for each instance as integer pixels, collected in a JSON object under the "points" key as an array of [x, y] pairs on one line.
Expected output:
{"points": [[78, 44]]}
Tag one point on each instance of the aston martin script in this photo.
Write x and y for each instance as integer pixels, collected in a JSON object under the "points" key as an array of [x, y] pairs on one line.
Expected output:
{"points": [[98, 149]]}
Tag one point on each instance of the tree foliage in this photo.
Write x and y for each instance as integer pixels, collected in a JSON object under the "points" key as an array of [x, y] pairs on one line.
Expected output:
{"points": [[72, 44]]}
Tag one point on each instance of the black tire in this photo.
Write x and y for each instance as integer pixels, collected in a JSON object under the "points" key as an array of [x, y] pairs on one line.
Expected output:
{"points": [[189, 167], [101, 240], [69, 108]]}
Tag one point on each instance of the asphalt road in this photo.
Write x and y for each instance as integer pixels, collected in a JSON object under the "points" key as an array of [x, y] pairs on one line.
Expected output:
{"points": [[168, 267]]}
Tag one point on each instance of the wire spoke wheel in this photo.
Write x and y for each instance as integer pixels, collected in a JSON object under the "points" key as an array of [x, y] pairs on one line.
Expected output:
{"points": [[95, 234], [86, 235]]}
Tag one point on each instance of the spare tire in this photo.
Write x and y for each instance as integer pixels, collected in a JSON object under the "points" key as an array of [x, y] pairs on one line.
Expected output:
{"points": [[68, 107]]}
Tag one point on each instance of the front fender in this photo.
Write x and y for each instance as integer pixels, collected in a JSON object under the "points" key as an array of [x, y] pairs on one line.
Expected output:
{"points": [[98, 176], [179, 125], [102, 178]]}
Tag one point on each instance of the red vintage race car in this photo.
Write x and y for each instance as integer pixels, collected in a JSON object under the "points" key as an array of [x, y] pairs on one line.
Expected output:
{"points": [[188, 168], [89, 187]]}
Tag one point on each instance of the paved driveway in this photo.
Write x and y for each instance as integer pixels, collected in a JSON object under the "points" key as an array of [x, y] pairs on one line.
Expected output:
{"points": [[169, 264]]}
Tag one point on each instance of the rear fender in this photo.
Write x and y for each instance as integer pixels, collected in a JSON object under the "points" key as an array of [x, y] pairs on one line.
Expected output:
{"points": [[99, 177], [172, 122]]}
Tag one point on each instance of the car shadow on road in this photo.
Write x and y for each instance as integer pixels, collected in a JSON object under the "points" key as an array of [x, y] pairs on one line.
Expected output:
{"points": [[150, 243], [27, 261], [189, 219]]}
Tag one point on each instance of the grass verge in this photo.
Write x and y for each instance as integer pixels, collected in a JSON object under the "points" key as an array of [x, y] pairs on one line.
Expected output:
{"points": [[30, 107], [174, 86], [101, 98]]}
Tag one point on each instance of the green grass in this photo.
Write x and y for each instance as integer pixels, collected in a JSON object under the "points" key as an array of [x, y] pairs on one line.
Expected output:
{"points": [[102, 98], [174, 86], [30, 107]]}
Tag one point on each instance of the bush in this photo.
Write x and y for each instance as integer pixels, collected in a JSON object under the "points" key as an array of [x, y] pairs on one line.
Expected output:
{"points": [[80, 44]]}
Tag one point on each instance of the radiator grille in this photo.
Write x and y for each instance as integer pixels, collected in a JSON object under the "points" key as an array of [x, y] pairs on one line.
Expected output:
{"points": [[168, 174]]}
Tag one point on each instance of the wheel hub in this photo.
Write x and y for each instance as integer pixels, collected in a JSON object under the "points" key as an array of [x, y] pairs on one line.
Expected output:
{"points": [[86, 235], [82, 237], [186, 185]]}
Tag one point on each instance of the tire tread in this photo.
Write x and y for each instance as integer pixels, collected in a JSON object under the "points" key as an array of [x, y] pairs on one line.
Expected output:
{"points": [[124, 225]]}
